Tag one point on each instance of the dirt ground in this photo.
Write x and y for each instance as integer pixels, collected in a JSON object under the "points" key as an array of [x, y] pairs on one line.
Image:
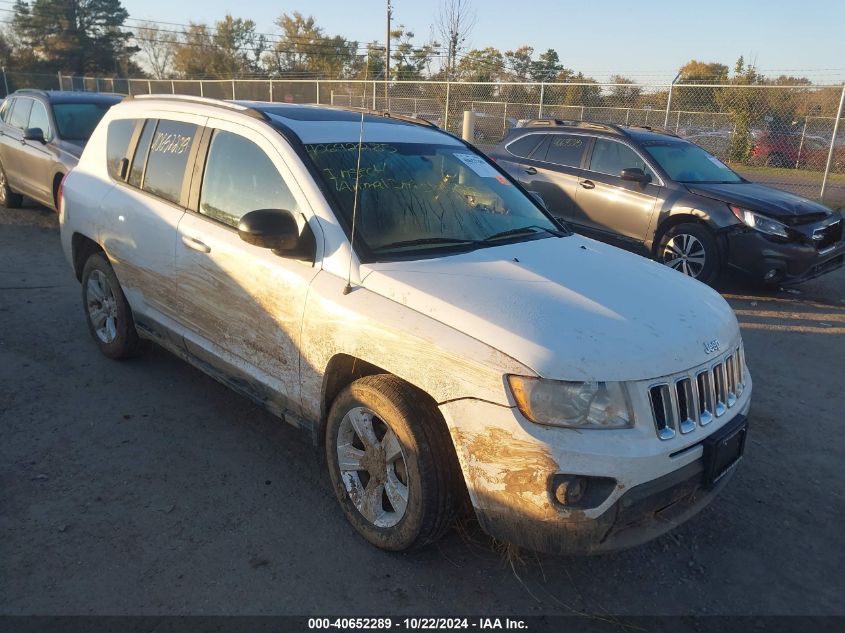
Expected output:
{"points": [[145, 487]]}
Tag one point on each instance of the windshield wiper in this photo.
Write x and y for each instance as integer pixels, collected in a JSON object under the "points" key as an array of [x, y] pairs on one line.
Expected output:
{"points": [[530, 230], [426, 240]]}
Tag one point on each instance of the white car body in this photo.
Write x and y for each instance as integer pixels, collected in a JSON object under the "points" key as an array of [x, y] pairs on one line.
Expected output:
{"points": [[455, 327]]}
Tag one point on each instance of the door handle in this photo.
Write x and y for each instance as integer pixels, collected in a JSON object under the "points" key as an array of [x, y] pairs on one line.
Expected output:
{"points": [[587, 184], [530, 170], [195, 244]]}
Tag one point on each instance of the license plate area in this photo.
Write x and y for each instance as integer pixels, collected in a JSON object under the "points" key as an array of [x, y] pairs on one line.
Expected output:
{"points": [[723, 450]]}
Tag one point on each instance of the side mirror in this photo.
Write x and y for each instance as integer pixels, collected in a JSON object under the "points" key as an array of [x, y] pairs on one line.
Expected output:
{"points": [[270, 228], [539, 199], [34, 134], [635, 174]]}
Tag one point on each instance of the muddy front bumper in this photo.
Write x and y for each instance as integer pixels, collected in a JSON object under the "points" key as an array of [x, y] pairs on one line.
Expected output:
{"points": [[512, 469]]}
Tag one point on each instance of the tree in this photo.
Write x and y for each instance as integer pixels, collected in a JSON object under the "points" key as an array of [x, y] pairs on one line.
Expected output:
{"points": [[703, 72], [305, 50], [519, 63], [75, 36], [546, 67], [625, 92], [157, 48], [481, 65], [698, 98], [454, 25], [409, 60], [230, 49], [739, 101]]}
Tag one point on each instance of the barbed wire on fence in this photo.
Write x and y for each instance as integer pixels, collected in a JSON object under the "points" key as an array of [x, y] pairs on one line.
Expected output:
{"points": [[790, 135]]}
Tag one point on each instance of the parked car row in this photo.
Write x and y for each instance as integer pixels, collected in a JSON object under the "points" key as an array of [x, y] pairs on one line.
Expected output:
{"points": [[407, 301]]}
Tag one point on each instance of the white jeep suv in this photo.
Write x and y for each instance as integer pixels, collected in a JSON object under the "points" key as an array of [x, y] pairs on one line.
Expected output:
{"points": [[383, 286]]}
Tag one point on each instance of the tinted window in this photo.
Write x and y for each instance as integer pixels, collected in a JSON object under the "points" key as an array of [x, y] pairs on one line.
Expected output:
{"points": [[524, 146], [168, 159], [239, 178], [566, 149], [38, 118], [76, 121], [610, 157], [20, 113], [119, 135], [136, 173]]}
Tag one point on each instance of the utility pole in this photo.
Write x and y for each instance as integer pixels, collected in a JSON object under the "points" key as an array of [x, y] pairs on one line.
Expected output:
{"points": [[387, 57]]}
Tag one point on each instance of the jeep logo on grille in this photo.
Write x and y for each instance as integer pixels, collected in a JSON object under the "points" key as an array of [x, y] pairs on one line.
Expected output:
{"points": [[711, 347]]}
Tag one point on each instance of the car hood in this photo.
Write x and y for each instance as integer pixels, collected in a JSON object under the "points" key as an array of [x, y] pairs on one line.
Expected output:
{"points": [[569, 308], [761, 198]]}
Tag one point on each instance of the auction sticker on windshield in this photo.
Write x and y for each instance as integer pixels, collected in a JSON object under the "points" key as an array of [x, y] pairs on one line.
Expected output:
{"points": [[477, 164]]}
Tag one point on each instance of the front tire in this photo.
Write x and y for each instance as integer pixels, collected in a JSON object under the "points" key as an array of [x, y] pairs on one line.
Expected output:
{"points": [[392, 463], [691, 249], [8, 198], [107, 312]]}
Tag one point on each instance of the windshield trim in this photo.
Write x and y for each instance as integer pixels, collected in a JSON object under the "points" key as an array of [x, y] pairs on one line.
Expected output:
{"points": [[366, 255]]}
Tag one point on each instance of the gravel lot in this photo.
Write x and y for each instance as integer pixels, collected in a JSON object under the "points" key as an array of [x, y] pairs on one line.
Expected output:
{"points": [[146, 488]]}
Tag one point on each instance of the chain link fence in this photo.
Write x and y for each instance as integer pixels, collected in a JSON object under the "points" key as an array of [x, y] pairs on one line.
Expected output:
{"points": [[784, 136]]}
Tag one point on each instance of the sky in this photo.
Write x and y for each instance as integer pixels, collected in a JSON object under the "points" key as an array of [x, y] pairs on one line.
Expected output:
{"points": [[644, 40]]}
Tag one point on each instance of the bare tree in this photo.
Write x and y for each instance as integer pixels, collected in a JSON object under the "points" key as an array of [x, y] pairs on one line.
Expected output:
{"points": [[158, 47], [454, 25]]}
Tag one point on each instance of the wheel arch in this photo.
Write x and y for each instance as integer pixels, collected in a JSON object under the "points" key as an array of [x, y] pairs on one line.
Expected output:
{"points": [[692, 216], [58, 177], [82, 247]]}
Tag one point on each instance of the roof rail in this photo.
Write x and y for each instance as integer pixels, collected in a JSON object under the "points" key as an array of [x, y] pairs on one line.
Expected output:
{"points": [[219, 103], [593, 125], [387, 114], [32, 90]]}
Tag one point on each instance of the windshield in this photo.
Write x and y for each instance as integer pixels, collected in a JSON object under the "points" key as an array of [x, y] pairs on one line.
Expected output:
{"points": [[76, 121], [417, 197], [685, 162]]}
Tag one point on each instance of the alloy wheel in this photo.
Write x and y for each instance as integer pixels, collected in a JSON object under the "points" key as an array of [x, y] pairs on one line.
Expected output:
{"points": [[685, 253], [102, 306], [372, 466]]}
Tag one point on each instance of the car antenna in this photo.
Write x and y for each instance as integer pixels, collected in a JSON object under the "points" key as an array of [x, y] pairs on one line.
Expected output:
{"points": [[348, 287]]}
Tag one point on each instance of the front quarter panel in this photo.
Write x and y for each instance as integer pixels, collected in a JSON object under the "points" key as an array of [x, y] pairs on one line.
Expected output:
{"points": [[444, 362]]}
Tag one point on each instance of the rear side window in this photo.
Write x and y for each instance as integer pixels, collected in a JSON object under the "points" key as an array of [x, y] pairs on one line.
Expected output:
{"points": [[136, 173], [611, 157], [117, 145], [20, 113], [239, 178], [523, 147], [5, 110], [566, 149], [168, 159]]}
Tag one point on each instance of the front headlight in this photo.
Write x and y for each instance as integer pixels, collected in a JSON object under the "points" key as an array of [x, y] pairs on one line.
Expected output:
{"points": [[582, 405], [759, 222]]}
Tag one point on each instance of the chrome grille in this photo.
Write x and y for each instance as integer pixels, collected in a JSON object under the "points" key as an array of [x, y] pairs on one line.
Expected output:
{"points": [[698, 398]]}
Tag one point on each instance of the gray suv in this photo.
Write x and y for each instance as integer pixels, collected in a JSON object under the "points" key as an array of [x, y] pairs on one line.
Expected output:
{"points": [[42, 134], [666, 198]]}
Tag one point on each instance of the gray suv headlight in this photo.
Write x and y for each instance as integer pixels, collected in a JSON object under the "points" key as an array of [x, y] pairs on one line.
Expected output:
{"points": [[759, 222], [582, 405]]}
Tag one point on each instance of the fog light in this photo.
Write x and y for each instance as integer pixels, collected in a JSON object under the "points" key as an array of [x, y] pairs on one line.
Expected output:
{"points": [[771, 274], [570, 490]]}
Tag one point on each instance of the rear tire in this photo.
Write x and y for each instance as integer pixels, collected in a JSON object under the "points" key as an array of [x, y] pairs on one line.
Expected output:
{"points": [[392, 463], [8, 198], [692, 249], [107, 312]]}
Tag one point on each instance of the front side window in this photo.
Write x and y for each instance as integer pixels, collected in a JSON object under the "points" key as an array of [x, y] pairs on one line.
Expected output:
{"points": [[566, 149], [20, 113], [416, 197], [239, 178], [76, 121], [611, 157], [168, 159], [38, 119], [685, 162]]}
